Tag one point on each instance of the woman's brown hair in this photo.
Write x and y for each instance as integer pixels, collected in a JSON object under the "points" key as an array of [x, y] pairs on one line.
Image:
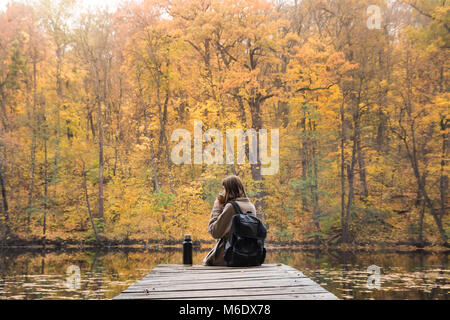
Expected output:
{"points": [[233, 189]]}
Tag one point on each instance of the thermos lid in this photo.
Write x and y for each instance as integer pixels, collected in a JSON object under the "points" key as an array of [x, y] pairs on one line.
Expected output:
{"points": [[187, 237]]}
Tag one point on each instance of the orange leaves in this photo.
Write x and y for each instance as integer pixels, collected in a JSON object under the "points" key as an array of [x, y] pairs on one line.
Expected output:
{"points": [[315, 71], [337, 63]]}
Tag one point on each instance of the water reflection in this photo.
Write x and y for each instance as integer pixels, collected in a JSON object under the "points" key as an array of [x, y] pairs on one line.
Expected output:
{"points": [[76, 274]]}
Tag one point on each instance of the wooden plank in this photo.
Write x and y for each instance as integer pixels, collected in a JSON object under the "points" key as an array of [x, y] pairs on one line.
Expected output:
{"points": [[290, 290], [158, 281], [165, 280], [262, 296], [312, 296], [221, 285], [236, 294], [235, 271], [206, 271], [270, 281], [171, 268], [199, 266], [208, 275]]}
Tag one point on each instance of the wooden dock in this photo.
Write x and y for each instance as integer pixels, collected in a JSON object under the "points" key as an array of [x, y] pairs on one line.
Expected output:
{"points": [[197, 282]]}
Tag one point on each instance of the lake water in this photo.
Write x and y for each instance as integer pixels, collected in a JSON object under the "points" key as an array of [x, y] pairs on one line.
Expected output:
{"points": [[86, 274]]}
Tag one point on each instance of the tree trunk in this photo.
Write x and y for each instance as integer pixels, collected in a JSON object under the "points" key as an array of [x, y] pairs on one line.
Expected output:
{"points": [[255, 110], [87, 203], [91, 122], [436, 217], [362, 168], [422, 186], [315, 185], [44, 223], [116, 154], [4, 116], [155, 172], [305, 164], [422, 214], [351, 169], [443, 179], [4, 206], [4, 199], [100, 152], [152, 153], [343, 220], [169, 165], [33, 146], [163, 138], [58, 116]]}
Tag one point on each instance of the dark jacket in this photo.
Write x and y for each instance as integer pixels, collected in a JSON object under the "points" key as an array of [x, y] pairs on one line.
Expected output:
{"points": [[220, 225]]}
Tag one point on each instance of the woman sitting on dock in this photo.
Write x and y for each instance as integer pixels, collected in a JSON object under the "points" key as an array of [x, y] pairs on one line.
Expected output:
{"points": [[222, 214]]}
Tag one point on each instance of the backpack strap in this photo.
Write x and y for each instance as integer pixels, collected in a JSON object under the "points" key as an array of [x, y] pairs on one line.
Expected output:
{"points": [[236, 207]]}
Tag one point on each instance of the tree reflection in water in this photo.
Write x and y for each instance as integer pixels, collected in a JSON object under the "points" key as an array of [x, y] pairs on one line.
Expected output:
{"points": [[42, 274]]}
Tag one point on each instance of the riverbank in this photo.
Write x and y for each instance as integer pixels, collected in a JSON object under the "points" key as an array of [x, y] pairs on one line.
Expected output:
{"points": [[207, 244]]}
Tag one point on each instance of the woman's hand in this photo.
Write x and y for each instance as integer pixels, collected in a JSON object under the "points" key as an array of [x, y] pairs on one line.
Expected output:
{"points": [[221, 198]]}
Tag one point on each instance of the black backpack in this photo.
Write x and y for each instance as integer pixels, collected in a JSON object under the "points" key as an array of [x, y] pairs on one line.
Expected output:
{"points": [[245, 244]]}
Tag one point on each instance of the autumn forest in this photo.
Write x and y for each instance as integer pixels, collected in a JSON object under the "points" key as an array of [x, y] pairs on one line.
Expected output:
{"points": [[358, 90]]}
